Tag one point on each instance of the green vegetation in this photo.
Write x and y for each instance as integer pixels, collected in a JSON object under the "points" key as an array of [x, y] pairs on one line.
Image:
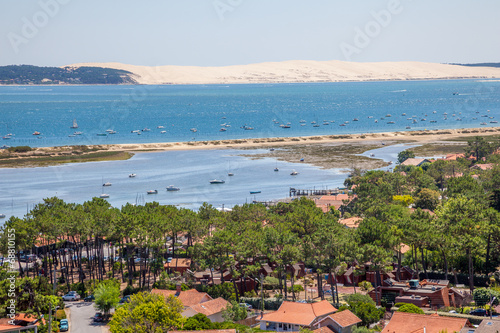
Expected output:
{"points": [[27, 74], [410, 308], [147, 313], [107, 295], [19, 149], [404, 155]]}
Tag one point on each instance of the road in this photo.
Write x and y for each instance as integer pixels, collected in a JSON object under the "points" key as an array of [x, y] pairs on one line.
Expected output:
{"points": [[81, 318]]}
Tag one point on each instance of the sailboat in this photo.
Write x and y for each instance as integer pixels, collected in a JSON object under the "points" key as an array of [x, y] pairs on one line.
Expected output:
{"points": [[75, 125]]}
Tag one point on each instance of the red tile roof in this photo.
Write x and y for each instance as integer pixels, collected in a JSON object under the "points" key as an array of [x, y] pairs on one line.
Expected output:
{"points": [[179, 263], [188, 298], [402, 322], [351, 222], [302, 314], [345, 318], [228, 330], [211, 307], [324, 329]]}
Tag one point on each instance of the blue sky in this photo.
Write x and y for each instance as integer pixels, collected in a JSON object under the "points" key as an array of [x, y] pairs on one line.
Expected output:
{"points": [[233, 32]]}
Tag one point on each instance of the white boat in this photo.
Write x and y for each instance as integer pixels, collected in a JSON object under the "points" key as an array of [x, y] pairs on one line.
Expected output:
{"points": [[172, 188], [163, 132], [107, 184], [294, 173], [78, 133], [217, 181], [152, 192], [230, 174], [132, 175], [193, 129], [2, 216], [75, 125], [104, 196], [160, 126], [146, 129]]}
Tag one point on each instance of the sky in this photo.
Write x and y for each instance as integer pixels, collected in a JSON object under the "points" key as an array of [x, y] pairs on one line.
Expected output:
{"points": [[237, 32]]}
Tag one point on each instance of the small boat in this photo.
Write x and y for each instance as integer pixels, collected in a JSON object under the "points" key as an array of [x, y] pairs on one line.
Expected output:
{"points": [[135, 131], [316, 125], [403, 114], [107, 184], [193, 130], [36, 133], [313, 122], [372, 154], [276, 169], [71, 136], [222, 130], [104, 196], [152, 192], [302, 159], [493, 122], [230, 174], [388, 115], [132, 175], [294, 173], [342, 125], [75, 125], [172, 188], [111, 132], [326, 123], [286, 126], [146, 130], [160, 126], [355, 119], [376, 120], [302, 121], [254, 192], [408, 127], [217, 181], [483, 123], [163, 132], [391, 122], [78, 133], [271, 149], [433, 121], [390, 162], [2, 216], [102, 134]]}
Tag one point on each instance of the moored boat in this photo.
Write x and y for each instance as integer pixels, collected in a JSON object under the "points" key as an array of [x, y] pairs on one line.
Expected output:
{"points": [[255, 192], [172, 188], [152, 192], [132, 175], [217, 181]]}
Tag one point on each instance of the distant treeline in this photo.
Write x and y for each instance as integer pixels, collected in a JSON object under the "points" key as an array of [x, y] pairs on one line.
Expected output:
{"points": [[482, 64], [27, 74]]}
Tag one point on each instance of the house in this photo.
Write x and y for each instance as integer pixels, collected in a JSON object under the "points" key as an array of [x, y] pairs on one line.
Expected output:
{"points": [[402, 322], [415, 162], [340, 322], [212, 309], [292, 316], [21, 322], [486, 326], [483, 167], [351, 222], [188, 298], [424, 292], [178, 265]]}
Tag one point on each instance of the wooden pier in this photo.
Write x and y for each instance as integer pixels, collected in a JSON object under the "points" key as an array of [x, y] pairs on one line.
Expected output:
{"points": [[294, 192]]}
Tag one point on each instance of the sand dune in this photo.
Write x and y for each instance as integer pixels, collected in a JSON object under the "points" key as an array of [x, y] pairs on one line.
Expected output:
{"points": [[299, 71]]}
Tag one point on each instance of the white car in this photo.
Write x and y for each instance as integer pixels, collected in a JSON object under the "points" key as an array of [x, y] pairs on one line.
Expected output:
{"points": [[71, 297]]}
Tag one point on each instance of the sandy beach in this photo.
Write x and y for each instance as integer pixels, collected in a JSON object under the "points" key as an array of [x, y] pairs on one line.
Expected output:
{"points": [[329, 151], [297, 71]]}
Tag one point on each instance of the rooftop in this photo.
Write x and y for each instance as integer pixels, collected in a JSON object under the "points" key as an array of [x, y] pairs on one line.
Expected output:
{"points": [[302, 314], [188, 298], [402, 322]]}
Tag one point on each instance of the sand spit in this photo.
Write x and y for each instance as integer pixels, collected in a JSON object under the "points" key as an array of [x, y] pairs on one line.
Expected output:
{"points": [[296, 71]]}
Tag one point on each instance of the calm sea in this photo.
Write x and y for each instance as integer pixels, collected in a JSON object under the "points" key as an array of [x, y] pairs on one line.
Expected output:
{"points": [[168, 113]]}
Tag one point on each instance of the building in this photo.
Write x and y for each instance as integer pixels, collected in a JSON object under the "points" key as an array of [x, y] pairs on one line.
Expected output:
{"points": [[178, 265], [340, 322], [415, 162], [212, 309], [292, 316], [402, 322], [188, 298], [426, 292]]}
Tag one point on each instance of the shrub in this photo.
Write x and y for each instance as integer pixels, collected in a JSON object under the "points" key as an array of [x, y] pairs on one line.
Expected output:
{"points": [[20, 149], [410, 308], [60, 314], [353, 299], [365, 285]]}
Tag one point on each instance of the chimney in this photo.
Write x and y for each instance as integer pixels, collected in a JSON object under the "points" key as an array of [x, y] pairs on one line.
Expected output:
{"points": [[178, 288]]}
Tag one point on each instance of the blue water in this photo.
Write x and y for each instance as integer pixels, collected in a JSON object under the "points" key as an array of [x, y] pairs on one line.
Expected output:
{"points": [[50, 110]]}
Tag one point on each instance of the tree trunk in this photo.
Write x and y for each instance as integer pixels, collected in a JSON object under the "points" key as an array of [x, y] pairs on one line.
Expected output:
{"points": [[398, 272], [488, 245], [424, 263], [445, 265], [471, 271]]}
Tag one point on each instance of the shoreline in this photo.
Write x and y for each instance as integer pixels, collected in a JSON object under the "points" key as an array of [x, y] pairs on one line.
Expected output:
{"points": [[336, 149], [424, 136]]}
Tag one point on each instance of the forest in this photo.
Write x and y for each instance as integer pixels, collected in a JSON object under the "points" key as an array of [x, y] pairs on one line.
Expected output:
{"points": [[28, 74]]}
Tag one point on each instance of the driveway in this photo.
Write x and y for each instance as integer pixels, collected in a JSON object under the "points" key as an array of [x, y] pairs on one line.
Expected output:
{"points": [[81, 318]]}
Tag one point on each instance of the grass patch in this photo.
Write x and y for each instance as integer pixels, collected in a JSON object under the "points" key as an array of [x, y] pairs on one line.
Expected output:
{"points": [[54, 160]]}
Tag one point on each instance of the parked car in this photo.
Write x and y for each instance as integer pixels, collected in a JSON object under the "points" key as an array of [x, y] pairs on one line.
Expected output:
{"points": [[89, 298], [479, 312], [98, 317], [71, 296], [63, 325], [246, 305], [125, 299]]}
